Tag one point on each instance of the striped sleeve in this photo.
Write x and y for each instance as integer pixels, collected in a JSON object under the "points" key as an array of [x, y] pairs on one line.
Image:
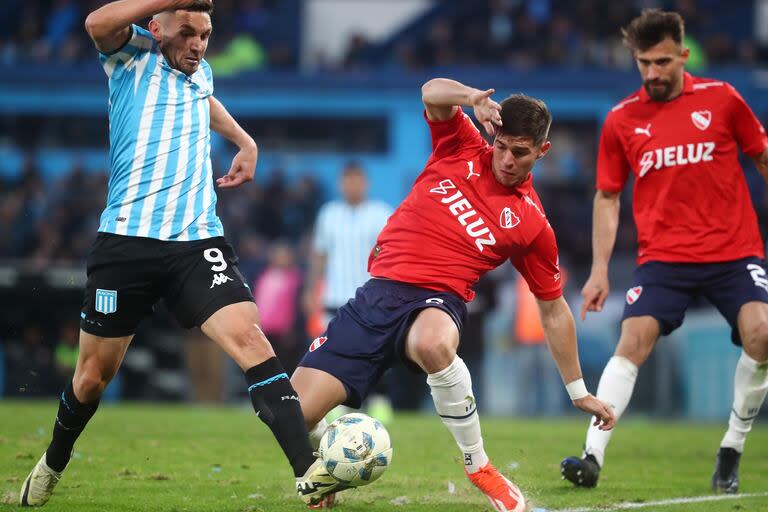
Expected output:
{"points": [[208, 75], [123, 59]]}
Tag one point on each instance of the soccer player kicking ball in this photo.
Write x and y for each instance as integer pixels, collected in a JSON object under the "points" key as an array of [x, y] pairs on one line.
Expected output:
{"points": [[697, 231], [471, 209], [159, 236]]}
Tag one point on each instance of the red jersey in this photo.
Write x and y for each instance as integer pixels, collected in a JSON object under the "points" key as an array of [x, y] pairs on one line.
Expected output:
{"points": [[458, 222], [691, 203]]}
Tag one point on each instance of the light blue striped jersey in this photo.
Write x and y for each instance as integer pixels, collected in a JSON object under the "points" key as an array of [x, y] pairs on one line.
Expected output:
{"points": [[161, 180], [346, 234]]}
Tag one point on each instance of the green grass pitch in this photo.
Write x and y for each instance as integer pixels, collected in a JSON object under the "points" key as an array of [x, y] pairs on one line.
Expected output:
{"points": [[179, 458]]}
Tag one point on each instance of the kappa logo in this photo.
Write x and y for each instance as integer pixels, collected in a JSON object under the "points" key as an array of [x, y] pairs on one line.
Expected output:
{"points": [[508, 219], [220, 279], [443, 187], [701, 119], [317, 343], [633, 294], [644, 131], [471, 166]]}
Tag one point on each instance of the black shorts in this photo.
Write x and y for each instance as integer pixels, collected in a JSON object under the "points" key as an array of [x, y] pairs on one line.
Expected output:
{"points": [[665, 290], [127, 275], [368, 333]]}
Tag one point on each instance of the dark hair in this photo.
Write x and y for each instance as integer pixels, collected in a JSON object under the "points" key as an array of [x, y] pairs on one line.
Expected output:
{"points": [[353, 167], [199, 6], [524, 116], [651, 28]]}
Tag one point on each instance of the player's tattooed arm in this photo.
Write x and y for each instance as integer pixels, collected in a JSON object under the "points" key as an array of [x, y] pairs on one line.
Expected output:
{"points": [[761, 162], [244, 163], [110, 25]]}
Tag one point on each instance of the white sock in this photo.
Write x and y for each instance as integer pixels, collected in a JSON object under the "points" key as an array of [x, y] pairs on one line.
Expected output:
{"points": [[750, 384], [317, 433], [615, 388], [455, 403]]}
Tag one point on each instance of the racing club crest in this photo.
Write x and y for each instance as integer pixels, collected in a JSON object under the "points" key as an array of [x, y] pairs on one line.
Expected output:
{"points": [[106, 301]]}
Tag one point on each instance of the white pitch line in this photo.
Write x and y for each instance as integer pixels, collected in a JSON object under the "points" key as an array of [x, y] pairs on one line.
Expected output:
{"points": [[662, 503]]}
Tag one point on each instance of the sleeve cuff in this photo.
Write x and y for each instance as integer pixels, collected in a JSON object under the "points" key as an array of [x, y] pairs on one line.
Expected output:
{"points": [[131, 33]]}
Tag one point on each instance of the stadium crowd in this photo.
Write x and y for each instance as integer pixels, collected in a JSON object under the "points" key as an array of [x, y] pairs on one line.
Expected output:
{"points": [[516, 33]]}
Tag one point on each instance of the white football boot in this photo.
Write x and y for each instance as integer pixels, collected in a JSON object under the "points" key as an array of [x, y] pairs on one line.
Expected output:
{"points": [[38, 487]]}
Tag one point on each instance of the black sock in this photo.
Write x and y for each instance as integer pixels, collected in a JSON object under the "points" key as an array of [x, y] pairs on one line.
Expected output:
{"points": [[70, 422], [277, 404]]}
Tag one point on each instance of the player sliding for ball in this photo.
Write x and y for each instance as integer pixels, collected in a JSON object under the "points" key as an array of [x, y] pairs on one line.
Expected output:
{"points": [[160, 237], [471, 209]]}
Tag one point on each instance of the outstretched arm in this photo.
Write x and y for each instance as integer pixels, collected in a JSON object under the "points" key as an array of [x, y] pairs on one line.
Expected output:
{"points": [[109, 25], [560, 331], [244, 164], [441, 96], [605, 223]]}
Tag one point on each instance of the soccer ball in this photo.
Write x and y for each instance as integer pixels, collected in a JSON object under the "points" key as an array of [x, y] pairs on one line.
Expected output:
{"points": [[356, 449]]}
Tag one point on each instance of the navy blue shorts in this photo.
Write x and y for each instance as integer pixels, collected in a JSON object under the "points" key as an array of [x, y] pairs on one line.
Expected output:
{"points": [[665, 290], [368, 333]]}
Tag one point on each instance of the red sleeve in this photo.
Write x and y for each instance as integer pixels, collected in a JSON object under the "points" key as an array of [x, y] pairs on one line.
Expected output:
{"points": [[455, 134], [612, 165], [540, 266], [746, 128]]}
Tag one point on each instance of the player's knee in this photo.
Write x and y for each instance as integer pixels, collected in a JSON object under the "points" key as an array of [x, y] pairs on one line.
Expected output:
{"points": [[634, 348], [755, 342], [251, 342], [433, 354], [89, 384]]}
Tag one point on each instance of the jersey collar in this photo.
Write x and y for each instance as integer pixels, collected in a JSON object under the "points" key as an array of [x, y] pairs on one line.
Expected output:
{"points": [[687, 87], [525, 187]]}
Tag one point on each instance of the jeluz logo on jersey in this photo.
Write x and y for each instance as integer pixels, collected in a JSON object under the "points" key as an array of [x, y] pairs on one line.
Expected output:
{"points": [[633, 294], [672, 156], [457, 204], [317, 343]]}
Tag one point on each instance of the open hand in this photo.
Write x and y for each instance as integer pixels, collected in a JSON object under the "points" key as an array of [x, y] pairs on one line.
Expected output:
{"points": [[605, 419], [487, 111], [242, 170], [595, 292]]}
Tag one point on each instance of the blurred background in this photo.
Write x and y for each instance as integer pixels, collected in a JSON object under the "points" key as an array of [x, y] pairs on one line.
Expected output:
{"points": [[320, 84]]}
